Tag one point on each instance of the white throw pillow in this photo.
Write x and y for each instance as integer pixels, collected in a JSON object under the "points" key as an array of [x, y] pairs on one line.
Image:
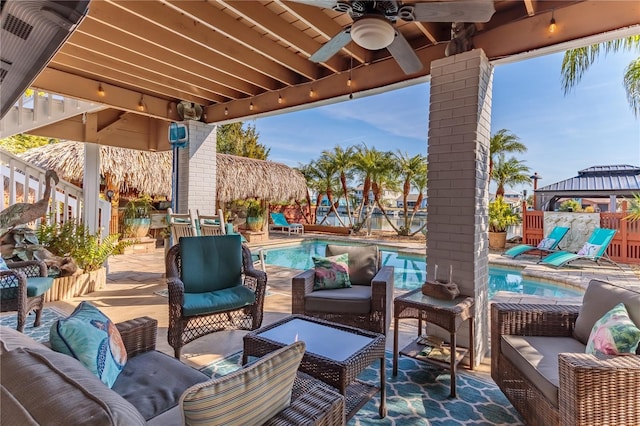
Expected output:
{"points": [[589, 249], [546, 243]]}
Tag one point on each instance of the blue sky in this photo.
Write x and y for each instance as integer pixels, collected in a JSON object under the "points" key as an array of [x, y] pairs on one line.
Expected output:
{"points": [[593, 125]]}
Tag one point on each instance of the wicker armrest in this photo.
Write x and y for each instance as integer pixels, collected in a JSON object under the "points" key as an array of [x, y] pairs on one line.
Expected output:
{"points": [[382, 293], [31, 268], [301, 285], [599, 389], [139, 335], [532, 320]]}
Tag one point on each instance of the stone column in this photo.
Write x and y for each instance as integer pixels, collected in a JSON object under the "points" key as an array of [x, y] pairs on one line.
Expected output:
{"points": [[197, 170], [458, 185]]}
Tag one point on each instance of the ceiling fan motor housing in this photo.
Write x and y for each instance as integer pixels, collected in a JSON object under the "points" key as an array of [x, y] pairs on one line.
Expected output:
{"points": [[372, 33]]}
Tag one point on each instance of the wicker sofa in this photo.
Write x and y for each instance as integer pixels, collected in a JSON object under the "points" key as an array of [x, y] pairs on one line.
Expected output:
{"points": [[538, 360], [40, 386]]}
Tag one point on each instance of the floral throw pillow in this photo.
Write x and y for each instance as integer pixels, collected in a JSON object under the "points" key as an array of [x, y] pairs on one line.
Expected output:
{"points": [[546, 243], [589, 249], [614, 333], [331, 272], [93, 339]]}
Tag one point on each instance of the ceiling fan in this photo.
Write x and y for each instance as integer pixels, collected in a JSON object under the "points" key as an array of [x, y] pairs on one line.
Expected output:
{"points": [[373, 24]]}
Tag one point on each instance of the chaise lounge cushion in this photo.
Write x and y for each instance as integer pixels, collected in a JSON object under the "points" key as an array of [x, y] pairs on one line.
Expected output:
{"points": [[352, 300], [144, 382], [536, 358], [363, 261], [599, 299], [31, 376]]}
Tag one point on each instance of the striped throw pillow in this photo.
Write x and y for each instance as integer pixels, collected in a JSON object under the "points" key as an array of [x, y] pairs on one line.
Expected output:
{"points": [[249, 396]]}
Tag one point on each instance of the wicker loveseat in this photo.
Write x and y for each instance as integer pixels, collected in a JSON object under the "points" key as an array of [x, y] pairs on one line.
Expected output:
{"points": [[41, 386], [538, 360]]}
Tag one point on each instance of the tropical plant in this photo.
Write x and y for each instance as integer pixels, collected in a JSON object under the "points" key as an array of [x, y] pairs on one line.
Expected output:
{"points": [[570, 206], [342, 160], [501, 215], [577, 61], [503, 142], [326, 172], [634, 208], [139, 208], [508, 173], [255, 208], [313, 185], [73, 239], [20, 143], [410, 168]]}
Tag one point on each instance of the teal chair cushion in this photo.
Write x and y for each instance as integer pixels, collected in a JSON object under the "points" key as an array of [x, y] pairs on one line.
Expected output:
{"points": [[210, 263], [38, 285], [217, 301]]}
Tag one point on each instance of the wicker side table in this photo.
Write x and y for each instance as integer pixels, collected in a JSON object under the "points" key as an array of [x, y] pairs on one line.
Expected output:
{"points": [[448, 314], [335, 354]]}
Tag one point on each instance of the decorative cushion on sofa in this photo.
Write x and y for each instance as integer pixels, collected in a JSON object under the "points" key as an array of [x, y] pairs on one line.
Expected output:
{"points": [[353, 300], [331, 272], [600, 298], [251, 395], [38, 383], [614, 333], [363, 261], [91, 337]]}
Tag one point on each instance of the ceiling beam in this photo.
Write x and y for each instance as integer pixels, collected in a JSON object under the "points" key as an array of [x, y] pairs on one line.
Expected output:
{"points": [[68, 84], [530, 6], [281, 29], [316, 19], [226, 25], [118, 19], [183, 26]]}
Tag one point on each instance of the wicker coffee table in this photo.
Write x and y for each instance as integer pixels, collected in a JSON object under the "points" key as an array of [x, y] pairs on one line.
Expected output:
{"points": [[335, 354]]}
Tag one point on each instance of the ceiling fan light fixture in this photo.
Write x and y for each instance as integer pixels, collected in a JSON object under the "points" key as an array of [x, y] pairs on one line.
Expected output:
{"points": [[372, 33]]}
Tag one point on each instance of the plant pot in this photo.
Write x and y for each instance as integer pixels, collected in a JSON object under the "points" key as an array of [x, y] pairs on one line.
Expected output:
{"points": [[254, 223], [138, 227], [497, 240]]}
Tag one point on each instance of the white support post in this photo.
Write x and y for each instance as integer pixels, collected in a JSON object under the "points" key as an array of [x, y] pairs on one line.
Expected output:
{"points": [[91, 185]]}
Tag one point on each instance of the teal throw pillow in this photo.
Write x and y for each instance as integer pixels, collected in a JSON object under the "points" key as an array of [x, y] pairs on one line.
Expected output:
{"points": [[614, 333], [93, 339], [3, 265], [331, 272]]}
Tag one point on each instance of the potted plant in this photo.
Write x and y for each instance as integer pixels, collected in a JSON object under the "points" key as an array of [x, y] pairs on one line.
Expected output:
{"points": [[137, 217], [255, 215], [501, 216]]}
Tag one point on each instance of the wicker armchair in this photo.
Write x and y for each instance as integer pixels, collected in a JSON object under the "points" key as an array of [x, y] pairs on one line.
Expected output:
{"points": [[22, 289], [200, 267], [366, 305], [567, 387]]}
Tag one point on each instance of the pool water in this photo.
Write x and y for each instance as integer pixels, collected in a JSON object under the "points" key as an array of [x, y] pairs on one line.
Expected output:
{"points": [[409, 270]]}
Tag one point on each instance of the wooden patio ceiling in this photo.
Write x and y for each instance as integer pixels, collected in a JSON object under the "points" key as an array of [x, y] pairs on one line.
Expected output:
{"points": [[240, 59]]}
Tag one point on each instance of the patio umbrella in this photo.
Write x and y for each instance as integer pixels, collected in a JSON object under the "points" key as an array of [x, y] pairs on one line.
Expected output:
{"points": [[127, 170]]}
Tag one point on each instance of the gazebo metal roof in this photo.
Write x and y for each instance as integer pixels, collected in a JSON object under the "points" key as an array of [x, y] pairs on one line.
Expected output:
{"points": [[614, 179]]}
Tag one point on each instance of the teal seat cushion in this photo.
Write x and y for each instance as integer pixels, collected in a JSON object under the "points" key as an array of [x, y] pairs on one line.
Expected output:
{"points": [[38, 285], [217, 301], [210, 263]]}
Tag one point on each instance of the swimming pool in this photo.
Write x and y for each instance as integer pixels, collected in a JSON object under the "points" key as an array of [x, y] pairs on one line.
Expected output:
{"points": [[409, 270]]}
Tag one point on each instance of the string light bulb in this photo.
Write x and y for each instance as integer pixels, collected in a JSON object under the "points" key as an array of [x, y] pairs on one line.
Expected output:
{"points": [[349, 82], [552, 23], [101, 91], [141, 107], [312, 93], [250, 106], [280, 100], [226, 111]]}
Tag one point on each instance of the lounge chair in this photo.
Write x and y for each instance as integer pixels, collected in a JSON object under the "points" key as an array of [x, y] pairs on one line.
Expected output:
{"points": [[211, 224], [182, 225], [280, 223], [546, 246], [594, 250]]}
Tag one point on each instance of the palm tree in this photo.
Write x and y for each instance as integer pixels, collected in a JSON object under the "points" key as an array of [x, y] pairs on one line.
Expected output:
{"points": [[409, 167], [342, 159], [419, 182], [577, 61], [326, 172], [313, 184], [364, 164], [509, 173], [503, 142]]}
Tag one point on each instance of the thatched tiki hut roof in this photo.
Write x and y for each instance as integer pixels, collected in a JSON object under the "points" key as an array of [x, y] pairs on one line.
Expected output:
{"points": [[150, 172]]}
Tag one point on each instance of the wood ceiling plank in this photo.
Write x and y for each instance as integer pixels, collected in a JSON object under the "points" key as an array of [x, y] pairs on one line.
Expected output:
{"points": [[124, 79], [197, 83], [279, 28], [149, 53], [323, 24], [429, 30], [184, 26], [116, 68], [69, 83], [119, 19], [530, 6], [225, 24]]}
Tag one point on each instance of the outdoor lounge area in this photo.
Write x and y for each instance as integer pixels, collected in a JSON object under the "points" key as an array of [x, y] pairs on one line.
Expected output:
{"points": [[135, 289]]}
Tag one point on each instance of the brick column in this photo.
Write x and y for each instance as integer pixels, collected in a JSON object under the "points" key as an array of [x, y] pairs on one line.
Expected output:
{"points": [[197, 170], [458, 190]]}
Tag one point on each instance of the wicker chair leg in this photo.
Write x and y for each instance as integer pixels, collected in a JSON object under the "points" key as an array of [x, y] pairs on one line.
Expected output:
{"points": [[36, 323], [21, 320], [176, 352]]}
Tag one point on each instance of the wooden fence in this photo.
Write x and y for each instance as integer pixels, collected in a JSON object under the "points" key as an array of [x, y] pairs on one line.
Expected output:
{"points": [[625, 247]]}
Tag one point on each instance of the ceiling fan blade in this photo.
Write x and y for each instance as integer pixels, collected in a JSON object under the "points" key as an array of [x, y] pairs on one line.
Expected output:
{"points": [[332, 47], [454, 11], [325, 4], [404, 55]]}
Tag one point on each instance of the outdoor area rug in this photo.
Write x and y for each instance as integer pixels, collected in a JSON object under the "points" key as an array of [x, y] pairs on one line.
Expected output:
{"points": [[39, 334], [419, 395]]}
